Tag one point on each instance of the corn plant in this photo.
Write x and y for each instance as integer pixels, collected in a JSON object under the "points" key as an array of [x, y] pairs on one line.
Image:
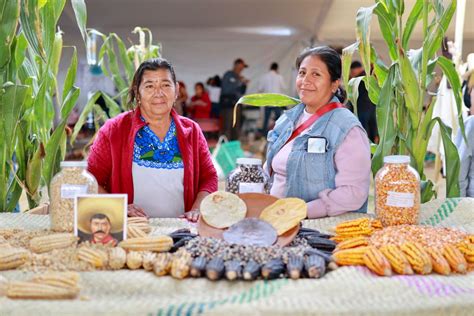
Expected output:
{"points": [[399, 87], [119, 64], [31, 146]]}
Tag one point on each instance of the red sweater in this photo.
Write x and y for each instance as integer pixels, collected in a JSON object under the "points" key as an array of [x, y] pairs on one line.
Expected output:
{"points": [[111, 156], [201, 111]]}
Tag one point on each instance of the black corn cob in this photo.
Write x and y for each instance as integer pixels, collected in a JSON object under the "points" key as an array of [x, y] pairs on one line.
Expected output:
{"points": [[233, 270], [272, 269], [321, 243], [252, 270], [180, 243], [315, 266], [314, 251], [177, 236], [295, 267], [215, 269], [198, 267]]}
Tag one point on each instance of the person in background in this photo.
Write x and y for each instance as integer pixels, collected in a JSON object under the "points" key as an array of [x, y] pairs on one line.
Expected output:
{"points": [[233, 87], [318, 151], [182, 100], [158, 158], [466, 155], [214, 90], [271, 82], [366, 110], [200, 105], [468, 84]]}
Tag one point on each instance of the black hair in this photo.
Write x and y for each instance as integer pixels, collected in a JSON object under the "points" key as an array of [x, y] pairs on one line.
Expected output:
{"points": [[150, 64], [330, 58], [201, 85], [99, 216], [274, 66], [217, 81], [356, 64]]}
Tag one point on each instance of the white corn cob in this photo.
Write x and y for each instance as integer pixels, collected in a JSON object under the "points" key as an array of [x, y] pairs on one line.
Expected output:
{"points": [[117, 258], [33, 290], [134, 260], [98, 258], [59, 279], [148, 260], [134, 232], [51, 242], [11, 258], [155, 243]]}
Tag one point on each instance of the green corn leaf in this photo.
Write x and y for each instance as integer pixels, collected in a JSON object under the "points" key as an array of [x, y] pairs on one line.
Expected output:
{"points": [[126, 62], [399, 6], [435, 37], [387, 22], [347, 54], [9, 17], [427, 191], [80, 11], [49, 15], [353, 92], [373, 89], [380, 69], [114, 107], [31, 26], [364, 16], [411, 23], [83, 117], [71, 74], [55, 55], [33, 171], [20, 50]]}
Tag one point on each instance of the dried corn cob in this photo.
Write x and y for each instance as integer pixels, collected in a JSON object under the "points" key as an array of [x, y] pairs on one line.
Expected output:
{"points": [[376, 262], [273, 269], [376, 224], [233, 270], [321, 243], [440, 264], [419, 260], [162, 264], [149, 260], [134, 260], [215, 269], [354, 227], [398, 260], [156, 243], [315, 266], [355, 242], [98, 258], [339, 238], [134, 232], [59, 279], [117, 258], [141, 223], [33, 290], [11, 258], [181, 264], [349, 257], [252, 270], [470, 239], [50, 242], [468, 251], [455, 258], [198, 267], [3, 286], [294, 267]]}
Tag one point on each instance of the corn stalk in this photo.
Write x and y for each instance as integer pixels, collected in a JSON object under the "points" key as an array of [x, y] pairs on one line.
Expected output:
{"points": [[399, 88]]}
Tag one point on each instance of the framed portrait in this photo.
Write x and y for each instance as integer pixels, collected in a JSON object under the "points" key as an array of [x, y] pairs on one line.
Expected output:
{"points": [[100, 218]]}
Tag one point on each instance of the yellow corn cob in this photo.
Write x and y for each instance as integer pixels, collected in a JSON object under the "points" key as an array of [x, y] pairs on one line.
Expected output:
{"points": [[468, 251], [376, 262], [148, 260], [134, 260], [470, 239], [455, 258], [398, 260], [33, 290], [59, 279], [156, 243], [440, 264], [98, 258], [117, 258], [338, 238], [420, 261], [11, 258], [181, 264], [349, 257], [355, 227], [134, 232], [162, 264], [51, 242], [376, 224], [355, 242]]}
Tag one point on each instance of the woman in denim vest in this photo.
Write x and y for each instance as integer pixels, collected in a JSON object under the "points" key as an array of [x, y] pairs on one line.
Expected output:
{"points": [[325, 162]]}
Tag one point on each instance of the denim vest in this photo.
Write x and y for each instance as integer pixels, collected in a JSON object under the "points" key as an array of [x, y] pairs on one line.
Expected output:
{"points": [[310, 173]]}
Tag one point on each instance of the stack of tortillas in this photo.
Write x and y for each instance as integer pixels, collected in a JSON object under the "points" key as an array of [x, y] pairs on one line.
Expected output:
{"points": [[285, 214], [222, 209]]}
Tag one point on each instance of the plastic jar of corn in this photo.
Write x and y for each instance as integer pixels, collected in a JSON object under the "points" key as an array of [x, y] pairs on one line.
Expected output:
{"points": [[397, 192], [72, 179]]}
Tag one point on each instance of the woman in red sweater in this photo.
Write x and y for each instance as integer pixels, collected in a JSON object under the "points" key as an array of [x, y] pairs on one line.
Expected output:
{"points": [[200, 106], [159, 158]]}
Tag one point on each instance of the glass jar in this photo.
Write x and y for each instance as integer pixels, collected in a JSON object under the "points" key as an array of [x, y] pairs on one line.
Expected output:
{"points": [[397, 192], [72, 179], [248, 177]]}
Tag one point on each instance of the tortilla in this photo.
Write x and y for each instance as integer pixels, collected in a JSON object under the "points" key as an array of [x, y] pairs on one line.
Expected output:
{"points": [[251, 231], [285, 214], [222, 209]]}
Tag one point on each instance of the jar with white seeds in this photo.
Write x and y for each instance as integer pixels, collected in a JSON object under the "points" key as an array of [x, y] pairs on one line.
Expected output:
{"points": [[248, 177]]}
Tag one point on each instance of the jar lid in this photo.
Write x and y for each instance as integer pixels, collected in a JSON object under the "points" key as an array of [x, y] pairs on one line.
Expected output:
{"points": [[249, 161], [82, 164], [396, 159]]}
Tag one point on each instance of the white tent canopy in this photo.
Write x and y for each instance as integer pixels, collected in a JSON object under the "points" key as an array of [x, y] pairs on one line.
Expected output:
{"points": [[203, 37]]}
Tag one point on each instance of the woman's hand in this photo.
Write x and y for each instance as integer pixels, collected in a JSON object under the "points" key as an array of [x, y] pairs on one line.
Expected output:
{"points": [[192, 216], [134, 210]]}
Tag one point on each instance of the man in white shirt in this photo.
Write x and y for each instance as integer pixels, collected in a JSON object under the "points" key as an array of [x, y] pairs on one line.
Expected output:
{"points": [[271, 82]]}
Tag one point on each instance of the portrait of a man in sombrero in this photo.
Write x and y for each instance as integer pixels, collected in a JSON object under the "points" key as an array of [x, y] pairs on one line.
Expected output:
{"points": [[100, 219]]}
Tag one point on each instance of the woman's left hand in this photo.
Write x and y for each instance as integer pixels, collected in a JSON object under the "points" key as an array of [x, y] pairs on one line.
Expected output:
{"points": [[192, 216]]}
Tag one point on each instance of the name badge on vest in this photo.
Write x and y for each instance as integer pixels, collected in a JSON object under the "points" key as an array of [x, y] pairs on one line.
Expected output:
{"points": [[317, 145]]}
